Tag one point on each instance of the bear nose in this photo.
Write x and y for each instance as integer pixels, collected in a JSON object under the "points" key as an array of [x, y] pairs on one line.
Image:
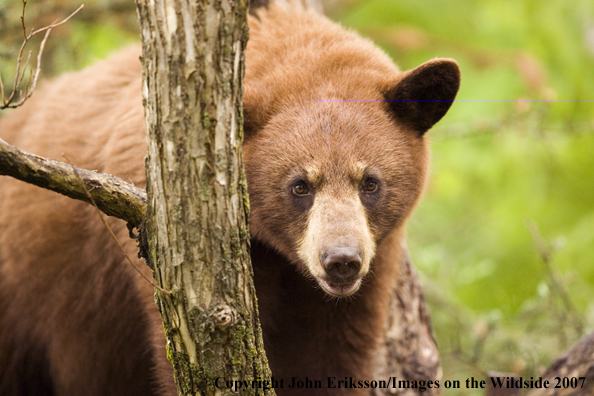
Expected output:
{"points": [[342, 263]]}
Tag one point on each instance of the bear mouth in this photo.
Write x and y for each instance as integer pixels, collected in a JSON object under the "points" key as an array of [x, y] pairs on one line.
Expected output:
{"points": [[340, 290]]}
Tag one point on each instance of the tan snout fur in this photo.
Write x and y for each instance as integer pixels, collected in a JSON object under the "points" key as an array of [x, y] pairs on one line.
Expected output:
{"points": [[336, 221]]}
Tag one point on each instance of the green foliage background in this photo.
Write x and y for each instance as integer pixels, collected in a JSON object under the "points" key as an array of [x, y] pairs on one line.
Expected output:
{"points": [[504, 238]]}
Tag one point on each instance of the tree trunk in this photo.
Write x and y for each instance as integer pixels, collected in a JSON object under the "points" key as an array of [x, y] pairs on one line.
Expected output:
{"points": [[196, 221]]}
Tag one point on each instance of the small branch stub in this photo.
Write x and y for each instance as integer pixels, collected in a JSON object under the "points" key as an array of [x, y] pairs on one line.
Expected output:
{"points": [[223, 315]]}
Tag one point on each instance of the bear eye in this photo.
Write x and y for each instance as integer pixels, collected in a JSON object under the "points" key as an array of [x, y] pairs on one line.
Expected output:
{"points": [[371, 185], [300, 188]]}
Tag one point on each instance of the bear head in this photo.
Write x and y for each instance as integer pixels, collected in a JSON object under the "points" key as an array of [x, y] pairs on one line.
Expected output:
{"points": [[330, 179]]}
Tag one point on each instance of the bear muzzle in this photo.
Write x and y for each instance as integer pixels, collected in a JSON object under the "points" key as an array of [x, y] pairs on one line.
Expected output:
{"points": [[337, 246]]}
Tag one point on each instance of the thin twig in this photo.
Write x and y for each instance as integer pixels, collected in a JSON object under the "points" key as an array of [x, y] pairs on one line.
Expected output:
{"points": [[23, 20], [1, 83], [113, 236], [7, 102]]}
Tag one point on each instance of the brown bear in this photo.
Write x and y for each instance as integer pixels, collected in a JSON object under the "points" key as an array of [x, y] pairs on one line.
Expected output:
{"points": [[336, 159]]}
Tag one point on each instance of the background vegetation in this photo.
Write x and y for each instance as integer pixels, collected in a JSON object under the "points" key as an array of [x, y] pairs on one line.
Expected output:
{"points": [[504, 239]]}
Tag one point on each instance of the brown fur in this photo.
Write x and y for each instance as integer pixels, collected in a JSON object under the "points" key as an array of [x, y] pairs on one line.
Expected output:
{"points": [[76, 320]]}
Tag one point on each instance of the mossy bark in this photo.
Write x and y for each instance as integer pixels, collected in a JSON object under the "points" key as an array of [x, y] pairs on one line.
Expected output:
{"points": [[198, 207]]}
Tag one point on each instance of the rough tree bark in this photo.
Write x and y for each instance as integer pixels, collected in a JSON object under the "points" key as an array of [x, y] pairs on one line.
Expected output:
{"points": [[197, 214]]}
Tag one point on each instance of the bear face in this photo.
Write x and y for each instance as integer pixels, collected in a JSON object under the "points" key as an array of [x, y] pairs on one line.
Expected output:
{"points": [[330, 180], [341, 189]]}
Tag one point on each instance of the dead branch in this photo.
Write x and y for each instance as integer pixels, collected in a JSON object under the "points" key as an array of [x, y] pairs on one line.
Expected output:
{"points": [[21, 68], [112, 195]]}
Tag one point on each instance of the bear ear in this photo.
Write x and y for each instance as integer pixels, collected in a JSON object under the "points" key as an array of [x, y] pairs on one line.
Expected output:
{"points": [[422, 96]]}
